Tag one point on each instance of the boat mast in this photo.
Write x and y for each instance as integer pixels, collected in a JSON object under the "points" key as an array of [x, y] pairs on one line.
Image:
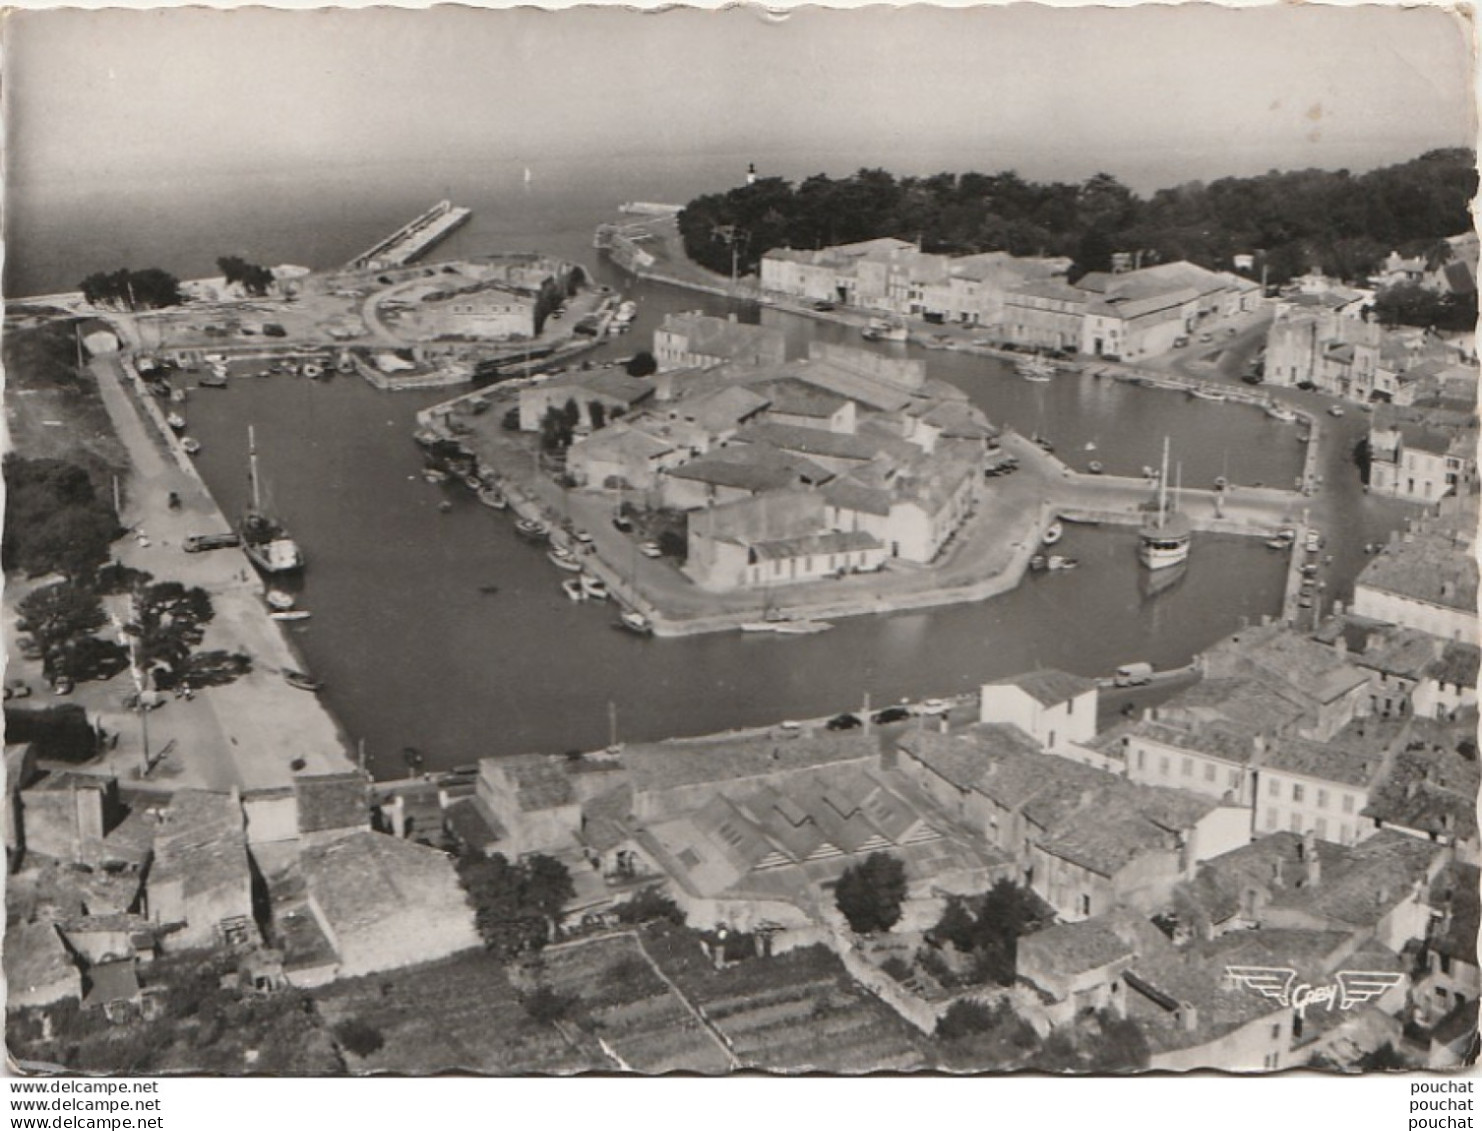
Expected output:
{"points": [[1162, 486], [252, 468]]}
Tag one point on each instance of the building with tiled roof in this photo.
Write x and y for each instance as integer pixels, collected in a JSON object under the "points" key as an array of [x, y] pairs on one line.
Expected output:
{"points": [[533, 799], [1426, 579], [1317, 787], [384, 903], [39, 969], [200, 884], [622, 454], [1429, 790], [1057, 709], [1449, 957], [612, 389], [1448, 685], [696, 340], [332, 803]]}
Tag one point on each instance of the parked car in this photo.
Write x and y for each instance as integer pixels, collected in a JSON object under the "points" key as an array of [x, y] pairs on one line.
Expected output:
{"points": [[622, 522], [892, 714], [198, 542], [650, 550], [843, 722], [823, 304], [1133, 675], [1180, 341], [935, 707]]}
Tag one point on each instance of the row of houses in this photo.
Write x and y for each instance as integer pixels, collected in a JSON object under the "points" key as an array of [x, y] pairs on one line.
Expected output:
{"points": [[892, 276], [1125, 316], [788, 471], [292, 883], [1425, 578]]}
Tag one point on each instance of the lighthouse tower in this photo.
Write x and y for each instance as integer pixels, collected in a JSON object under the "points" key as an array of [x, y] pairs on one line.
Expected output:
{"points": [[751, 173]]}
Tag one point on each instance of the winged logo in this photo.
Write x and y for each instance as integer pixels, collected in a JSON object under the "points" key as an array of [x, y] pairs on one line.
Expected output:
{"points": [[1269, 981], [1358, 986]]}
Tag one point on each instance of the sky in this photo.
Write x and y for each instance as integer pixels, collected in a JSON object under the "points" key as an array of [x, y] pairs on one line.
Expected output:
{"points": [[1155, 95]]}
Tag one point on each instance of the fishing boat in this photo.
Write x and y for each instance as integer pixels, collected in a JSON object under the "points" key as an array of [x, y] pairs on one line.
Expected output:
{"points": [[189, 445], [1094, 467], [593, 588], [1053, 533], [573, 589], [635, 622], [1037, 369], [884, 330], [531, 530], [1165, 537], [564, 559], [290, 614], [302, 680], [264, 540], [176, 421], [1058, 564], [1280, 412], [492, 497], [278, 600], [1206, 394]]}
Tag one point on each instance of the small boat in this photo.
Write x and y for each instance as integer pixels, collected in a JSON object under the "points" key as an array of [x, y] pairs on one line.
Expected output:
{"points": [[177, 396], [212, 381], [1090, 445], [1303, 437], [1094, 467], [1042, 442], [531, 530], [1335, 410], [302, 680], [1038, 562], [176, 421], [312, 370], [1280, 412], [564, 559], [1053, 533], [635, 622], [593, 588], [1036, 368], [573, 589], [1221, 483], [488, 590], [758, 626], [1059, 564], [434, 475], [190, 446], [1278, 544], [445, 507], [290, 614], [492, 497], [882, 330], [1206, 394], [279, 600]]}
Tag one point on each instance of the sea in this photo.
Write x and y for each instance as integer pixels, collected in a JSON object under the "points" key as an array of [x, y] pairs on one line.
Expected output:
{"points": [[414, 651]]}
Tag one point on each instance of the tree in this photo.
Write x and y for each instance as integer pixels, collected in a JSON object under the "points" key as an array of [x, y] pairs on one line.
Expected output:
{"points": [[547, 1006], [870, 895], [555, 434], [169, 620], [547, 885], [597, 414], [516, 906], [54, 520], [255, 280], [642, 364], [59, 618]]}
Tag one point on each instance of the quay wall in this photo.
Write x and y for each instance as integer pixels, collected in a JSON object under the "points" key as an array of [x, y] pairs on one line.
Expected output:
{"points": [[414, 238]]}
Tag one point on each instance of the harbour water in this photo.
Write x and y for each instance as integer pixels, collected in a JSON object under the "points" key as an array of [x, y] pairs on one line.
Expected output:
{"points": [[415, 654]]}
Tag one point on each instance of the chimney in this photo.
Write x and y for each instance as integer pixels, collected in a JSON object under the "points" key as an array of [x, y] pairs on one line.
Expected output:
{"points": [[1313, 865], [1258, 745], [1186, 1017]]}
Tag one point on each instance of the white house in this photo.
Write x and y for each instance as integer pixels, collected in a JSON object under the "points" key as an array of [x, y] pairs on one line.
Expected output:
{"points": [[1053, 707]]}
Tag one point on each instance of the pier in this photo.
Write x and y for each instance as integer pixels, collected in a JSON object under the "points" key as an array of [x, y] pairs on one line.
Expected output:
{"points": [[413, 239]]}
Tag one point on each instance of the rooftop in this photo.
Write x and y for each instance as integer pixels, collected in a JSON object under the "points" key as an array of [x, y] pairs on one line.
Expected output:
{"points": [[332, 801], [671, 765], [535, 780], [1430, 791], [1362, 884], [1067, 949], [1049, 686], [1456, 893], [1431, 567], [1323, 761]]}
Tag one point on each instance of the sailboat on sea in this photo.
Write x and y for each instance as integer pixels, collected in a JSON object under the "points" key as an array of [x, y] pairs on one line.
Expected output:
{"points": [[1165, 537], [264, 540]]}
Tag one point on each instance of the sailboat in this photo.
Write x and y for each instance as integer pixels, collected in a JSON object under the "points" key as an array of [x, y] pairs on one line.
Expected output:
{"points": [[1037, 368], [1165, 537], [265, 541]]}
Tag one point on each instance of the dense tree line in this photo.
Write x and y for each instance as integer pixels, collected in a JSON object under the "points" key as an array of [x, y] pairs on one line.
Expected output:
{"points": [[54, 520], [1339, 221], [132, 290]]}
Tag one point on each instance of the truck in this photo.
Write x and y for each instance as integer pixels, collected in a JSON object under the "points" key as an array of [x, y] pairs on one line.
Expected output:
{"points": [[1133, 675]]}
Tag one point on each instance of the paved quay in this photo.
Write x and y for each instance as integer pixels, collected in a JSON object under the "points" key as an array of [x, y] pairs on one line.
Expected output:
{"points": [[248, 733]]}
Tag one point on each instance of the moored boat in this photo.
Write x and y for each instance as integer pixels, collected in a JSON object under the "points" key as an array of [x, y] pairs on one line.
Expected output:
{"points": [[1206, 394], [290, 614], [1094, 467], [564, 559], [213, 380], [493, 497], [635, 622], [1057, 563], [1053, 533], [189, 445], [593, 588], [573, 589], [265, 542], [176, 421], [1038, 369], [531, 530], [302, 680], [801, 627], [1280, 412], [278, 600], [1166, 536]]}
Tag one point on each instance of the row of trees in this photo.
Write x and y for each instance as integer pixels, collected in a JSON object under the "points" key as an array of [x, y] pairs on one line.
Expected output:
{"points": [[124, 289], [1342, 222]]}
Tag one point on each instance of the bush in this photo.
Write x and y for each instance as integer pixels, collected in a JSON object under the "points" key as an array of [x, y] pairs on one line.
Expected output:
{"points": [[648, 905], [897, 967], [964, 1018], [870, 895], [548, 1006], [357, 1037]]}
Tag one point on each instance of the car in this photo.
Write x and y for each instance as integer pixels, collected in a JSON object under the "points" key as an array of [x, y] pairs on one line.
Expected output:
{"points": [[62, 685], [1252, 378], [935, 706], [1206, 337], [198, 542], [650, 550], [823, 304], [1180, 341], [622, 523], [1335, 410], [582, 536], [892, 714], [843, 722]]}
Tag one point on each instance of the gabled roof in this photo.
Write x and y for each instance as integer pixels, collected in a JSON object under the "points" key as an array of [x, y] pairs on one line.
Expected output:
{"points": [[1455, 893], [670, 765], [1068, 949], [1049, 686], [537, 782], [1323, 761], [332, 801], [1362, 884]]}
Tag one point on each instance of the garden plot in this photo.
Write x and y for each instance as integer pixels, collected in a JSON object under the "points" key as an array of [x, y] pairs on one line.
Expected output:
{"points": [[619, 998], [461, 1013]]}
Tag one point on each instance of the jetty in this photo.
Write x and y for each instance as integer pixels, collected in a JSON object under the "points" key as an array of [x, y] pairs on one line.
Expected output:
{"points": [[413, 239]]}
